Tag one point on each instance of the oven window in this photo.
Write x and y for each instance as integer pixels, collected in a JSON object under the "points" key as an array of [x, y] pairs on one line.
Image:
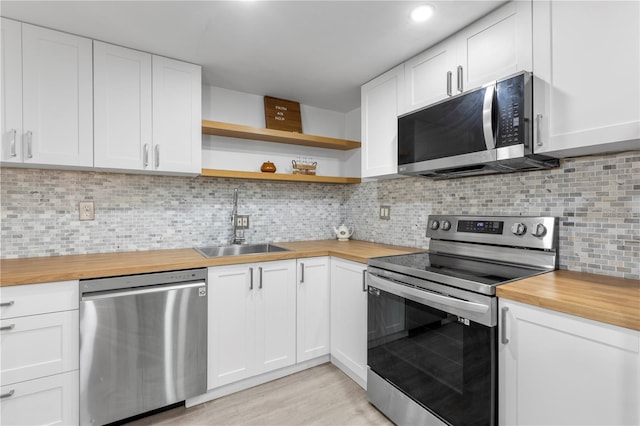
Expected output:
{"points": [[446, 364]]}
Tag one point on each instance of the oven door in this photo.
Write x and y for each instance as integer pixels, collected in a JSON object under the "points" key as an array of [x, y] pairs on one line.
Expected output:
{"points": [[425, 344]]}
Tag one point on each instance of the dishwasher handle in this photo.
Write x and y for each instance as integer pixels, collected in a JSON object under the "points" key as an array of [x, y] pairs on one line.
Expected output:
{"points": [[158, 288]]}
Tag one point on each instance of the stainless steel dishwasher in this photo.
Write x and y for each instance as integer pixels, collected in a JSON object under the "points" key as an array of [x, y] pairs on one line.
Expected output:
{"points": [[143, 343]]}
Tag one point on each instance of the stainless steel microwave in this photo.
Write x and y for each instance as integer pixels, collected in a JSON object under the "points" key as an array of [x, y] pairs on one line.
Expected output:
{"points": [[482, 131]]}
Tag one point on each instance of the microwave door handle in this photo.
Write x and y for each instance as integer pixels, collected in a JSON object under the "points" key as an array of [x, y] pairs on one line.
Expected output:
{"points": [[487, 116]]}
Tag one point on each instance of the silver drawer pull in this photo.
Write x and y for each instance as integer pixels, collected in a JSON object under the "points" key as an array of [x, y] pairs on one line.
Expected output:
{"points": [[7, 327], [364, 280], [8, 394], [9, 303]]}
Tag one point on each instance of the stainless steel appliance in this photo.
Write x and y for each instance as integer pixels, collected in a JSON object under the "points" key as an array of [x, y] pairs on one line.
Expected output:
{"points": [[432, 326], [143, 343], [482, 131]]}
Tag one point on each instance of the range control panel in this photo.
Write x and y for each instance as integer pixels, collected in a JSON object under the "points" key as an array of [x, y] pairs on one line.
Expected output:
{"points": [[518, 231]]}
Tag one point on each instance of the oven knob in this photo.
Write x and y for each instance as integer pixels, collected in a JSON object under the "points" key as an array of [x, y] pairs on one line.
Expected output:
{"points": [[539, 230], [435, 225], [519, 228], [446, 225]]}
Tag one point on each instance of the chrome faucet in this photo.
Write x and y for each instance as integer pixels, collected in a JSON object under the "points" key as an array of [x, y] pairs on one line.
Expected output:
{"points": [[236, 239]]}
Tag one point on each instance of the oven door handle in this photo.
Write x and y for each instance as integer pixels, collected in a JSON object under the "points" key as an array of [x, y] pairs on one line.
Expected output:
{"points": [[425, 297]]}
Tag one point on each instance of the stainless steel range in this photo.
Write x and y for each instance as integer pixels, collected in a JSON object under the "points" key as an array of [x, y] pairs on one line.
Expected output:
{"points": [[432, 326]]}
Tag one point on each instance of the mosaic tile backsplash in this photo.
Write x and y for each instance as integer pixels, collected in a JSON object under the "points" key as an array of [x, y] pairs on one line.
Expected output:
{"points": [[597, 199]]}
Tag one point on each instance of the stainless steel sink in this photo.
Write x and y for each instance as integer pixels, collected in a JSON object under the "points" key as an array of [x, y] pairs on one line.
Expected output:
{"points": [[238, 249]]}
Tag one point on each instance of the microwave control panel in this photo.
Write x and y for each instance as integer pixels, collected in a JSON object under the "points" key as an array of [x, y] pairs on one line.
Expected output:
{"points": [[511, 97]]}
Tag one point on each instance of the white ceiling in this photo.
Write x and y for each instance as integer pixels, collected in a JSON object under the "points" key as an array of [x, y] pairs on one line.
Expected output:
{"points": [[315, 52]]}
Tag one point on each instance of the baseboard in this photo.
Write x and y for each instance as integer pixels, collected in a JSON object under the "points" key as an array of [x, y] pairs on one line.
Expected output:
{"points": [[255, 381], [349, 372]]}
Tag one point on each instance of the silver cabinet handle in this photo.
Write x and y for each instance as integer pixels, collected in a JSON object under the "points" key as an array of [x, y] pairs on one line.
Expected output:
{"points": [[449, 83], [460, 79], [157, 156], [301, 272], [251, 279], [8, 394], [538, 132], [259, 277], [29, 144], [9, 303], [13, 143], [364, 280], [503, 325], [8, 327], [145, 156]]}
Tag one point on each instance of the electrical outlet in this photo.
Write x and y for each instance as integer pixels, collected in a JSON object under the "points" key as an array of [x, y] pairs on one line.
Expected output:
{"points": [[87, 210], [242, 222], [385, 212]]}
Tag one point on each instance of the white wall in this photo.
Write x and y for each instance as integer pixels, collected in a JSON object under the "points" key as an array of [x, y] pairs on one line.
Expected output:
{"points": [[230, 106]]}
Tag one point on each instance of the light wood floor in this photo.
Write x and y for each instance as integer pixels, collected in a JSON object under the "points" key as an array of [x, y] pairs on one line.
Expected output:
{"points": [[322, 395]]}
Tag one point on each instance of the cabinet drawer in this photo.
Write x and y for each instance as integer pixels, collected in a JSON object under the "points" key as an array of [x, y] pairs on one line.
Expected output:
{"points": [[38, 345], [32, 299], [46, 401]]}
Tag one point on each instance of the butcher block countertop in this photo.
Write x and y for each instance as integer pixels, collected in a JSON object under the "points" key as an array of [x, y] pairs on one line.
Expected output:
{"points": [[61, 268], [598, 297]]}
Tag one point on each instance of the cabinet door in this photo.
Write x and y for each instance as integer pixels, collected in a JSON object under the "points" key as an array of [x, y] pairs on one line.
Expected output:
{"points": [[38, 345], [313, 308], [177, 123], [57, 98], [496, 46], [11, 90], [52, 400], [122, 107], [349, 319], [382, 102], [587, 90], [561, 369], [430, 76], [231, 332], [275, 315]]}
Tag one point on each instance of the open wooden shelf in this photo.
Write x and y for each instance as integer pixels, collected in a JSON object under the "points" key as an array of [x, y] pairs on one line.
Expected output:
{"points": [[278, 176], [278, 136]]}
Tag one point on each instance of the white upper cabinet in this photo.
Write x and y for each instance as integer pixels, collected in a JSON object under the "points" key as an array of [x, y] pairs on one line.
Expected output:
{"points": [[11, 114], [177, 116], [147, 111], [57, 121], [382, 102], [122, 107], [493, 47], [429, 77], [496, 46], [586, 58]]}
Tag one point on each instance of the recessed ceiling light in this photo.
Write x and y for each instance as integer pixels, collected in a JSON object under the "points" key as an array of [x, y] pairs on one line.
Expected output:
{"points": [[422, 13]]}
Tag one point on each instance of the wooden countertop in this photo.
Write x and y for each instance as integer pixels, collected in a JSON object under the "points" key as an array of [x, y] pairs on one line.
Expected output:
{"points": [[598, 297], [61, 268]]}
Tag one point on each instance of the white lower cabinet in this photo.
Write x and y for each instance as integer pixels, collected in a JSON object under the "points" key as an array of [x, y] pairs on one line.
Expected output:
{"points": [[313, 309], [349, 319], [50, 400], [252, 320], [559, 369], [39, 359]]}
